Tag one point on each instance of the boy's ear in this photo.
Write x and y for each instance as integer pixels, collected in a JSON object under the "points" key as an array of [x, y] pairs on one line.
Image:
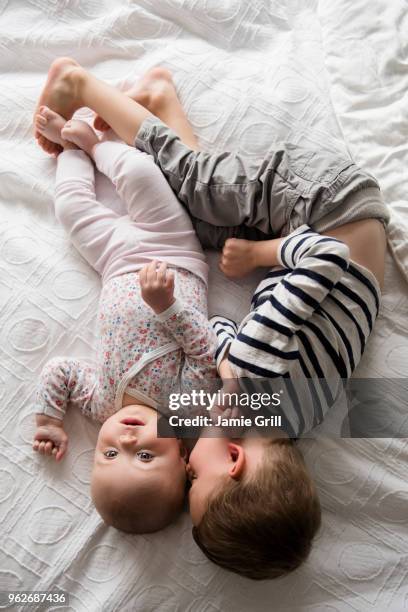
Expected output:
{"points": [[237, 455]]}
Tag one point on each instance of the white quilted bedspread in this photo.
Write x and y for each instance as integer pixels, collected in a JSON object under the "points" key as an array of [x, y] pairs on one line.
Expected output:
{"points": [[248, 74]]}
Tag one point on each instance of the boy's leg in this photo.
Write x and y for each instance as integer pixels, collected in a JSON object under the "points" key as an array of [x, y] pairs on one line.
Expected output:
{"points": [[291, 186], [156, 92]]}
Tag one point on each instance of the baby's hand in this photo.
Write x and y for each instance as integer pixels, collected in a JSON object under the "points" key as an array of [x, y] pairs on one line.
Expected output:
{"points": [[157, 286], [50, 438]]}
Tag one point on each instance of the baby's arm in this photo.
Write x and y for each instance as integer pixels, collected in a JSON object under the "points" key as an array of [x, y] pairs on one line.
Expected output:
{"points": [[62, 381], [189, 328], [194, 334]]}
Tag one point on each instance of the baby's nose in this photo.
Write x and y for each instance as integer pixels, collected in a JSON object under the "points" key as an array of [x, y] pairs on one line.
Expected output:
{"points": [[128, 440]]}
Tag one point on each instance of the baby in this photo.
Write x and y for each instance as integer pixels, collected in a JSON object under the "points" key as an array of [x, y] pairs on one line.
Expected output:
{"points": [[152, 326]]}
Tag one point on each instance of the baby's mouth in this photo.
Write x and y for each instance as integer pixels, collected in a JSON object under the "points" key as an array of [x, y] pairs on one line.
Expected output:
{"points": [[132, 421]]}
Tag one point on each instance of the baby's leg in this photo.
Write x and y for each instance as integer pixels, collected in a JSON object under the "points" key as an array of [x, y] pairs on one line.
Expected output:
{"points": [[142, 187], [90, 225], [158, 226]]}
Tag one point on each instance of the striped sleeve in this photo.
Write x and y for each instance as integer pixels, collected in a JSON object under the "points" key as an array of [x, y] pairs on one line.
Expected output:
{"points": [[266, 343], [225, 330]]}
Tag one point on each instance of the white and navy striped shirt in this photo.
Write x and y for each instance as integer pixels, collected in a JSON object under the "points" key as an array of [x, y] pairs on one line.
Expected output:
{"points": [[310, 319]]}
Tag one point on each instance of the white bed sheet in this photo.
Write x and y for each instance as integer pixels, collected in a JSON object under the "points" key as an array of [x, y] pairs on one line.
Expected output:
{"points": [[248, 74]]}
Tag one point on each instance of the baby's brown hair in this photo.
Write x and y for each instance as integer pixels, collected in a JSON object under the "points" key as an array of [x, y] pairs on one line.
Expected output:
{"points": [[263, 526]]}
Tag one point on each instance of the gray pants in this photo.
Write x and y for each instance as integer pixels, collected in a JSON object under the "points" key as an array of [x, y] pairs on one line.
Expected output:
{"points": [[229, 195]]}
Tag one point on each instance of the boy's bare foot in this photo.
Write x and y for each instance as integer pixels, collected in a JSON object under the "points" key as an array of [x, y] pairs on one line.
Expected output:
{"points": [[49, 125], [151, 91], [81, 134], [60, 95]]}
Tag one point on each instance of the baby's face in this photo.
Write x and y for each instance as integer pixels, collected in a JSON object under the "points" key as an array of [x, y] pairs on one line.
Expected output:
{"points": [[128, 451]]}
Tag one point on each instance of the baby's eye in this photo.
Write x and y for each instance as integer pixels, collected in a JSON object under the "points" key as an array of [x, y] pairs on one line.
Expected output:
{"points": [[145, 456], [111, 454]]}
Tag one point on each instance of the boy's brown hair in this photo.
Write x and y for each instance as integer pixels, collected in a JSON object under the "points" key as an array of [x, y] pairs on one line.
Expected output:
{"points": [[263, 526]]}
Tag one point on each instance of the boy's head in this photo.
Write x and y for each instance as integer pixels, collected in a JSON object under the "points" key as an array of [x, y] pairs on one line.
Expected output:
{"points": [[138, 479], [254, 507]]}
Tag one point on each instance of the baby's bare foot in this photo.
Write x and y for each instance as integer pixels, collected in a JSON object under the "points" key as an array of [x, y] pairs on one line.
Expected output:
{"points": [[49, 125], [151, 92], [81, 134], [238, 257]]}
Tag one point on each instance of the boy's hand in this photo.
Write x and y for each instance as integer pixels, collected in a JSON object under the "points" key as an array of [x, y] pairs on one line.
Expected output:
{"points": [[50, 437], [157, 286], [238, 257]]}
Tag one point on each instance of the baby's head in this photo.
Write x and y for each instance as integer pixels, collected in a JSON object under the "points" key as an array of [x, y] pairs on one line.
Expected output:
{"points": [[254, 507], [138, 479]]}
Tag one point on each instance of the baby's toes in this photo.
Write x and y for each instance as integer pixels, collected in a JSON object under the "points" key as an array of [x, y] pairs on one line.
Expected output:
{"points": [[48, 448], [40, 121], [48, 113]]}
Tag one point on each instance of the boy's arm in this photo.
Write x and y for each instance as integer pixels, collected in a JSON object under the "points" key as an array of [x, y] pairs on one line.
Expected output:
{"points": [[266, 343], [61, 381], [226, 330]]}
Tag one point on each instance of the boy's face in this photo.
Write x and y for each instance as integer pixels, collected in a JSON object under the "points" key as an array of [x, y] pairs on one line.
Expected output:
{"points": [[129, 451], [213, 461]]}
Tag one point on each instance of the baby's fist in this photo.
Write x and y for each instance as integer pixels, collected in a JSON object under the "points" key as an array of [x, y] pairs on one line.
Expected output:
{"points": [[157, 286], [50, 437]]}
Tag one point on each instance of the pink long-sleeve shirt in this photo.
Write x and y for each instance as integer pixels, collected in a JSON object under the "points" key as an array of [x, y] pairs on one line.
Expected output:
{"points": [[139, 353]]}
